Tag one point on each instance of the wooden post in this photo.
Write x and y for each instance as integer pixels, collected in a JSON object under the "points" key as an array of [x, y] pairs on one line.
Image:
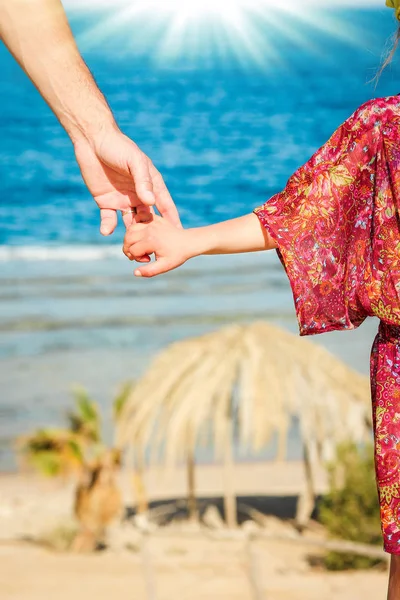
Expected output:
{"points": [[306, 500], [135, 470], [191, 485], [254, 572], [148, 568], [230, 507], [142, 502]]}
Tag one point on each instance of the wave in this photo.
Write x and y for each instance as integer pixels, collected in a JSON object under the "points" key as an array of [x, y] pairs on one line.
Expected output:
{"points": [[67, 253], [27, 324]]}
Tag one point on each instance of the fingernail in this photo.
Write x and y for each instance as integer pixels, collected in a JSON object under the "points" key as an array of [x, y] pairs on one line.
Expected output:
{"points": [[138, 274]]}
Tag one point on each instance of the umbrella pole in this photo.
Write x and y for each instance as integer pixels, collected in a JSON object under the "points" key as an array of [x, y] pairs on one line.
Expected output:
{"points": [[230, 507], [191, 485], [306, 500], [137, 469]]}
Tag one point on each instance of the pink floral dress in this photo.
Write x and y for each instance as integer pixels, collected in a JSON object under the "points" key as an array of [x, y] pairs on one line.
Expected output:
{"points": [[337, 226]]}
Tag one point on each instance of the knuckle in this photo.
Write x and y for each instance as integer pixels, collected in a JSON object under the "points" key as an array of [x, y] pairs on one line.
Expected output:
{"points": [[144, 180], [156, 173], [136, 252]]}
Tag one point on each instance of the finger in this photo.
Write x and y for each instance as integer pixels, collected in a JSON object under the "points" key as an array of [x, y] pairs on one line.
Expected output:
{"points": [[140, 259], [128, 212], [128, 218], [155, 268], [108, 218], [140, 249], [144, 214], [138, 228], [135, 256], [143, 259], [118, 200], [130, 237], [133, 236], [164, 203], [139, 169], [137, 214]]}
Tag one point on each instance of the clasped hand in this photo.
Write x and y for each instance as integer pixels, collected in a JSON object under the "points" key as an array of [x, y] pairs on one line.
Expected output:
{"points": [[169, 244]]}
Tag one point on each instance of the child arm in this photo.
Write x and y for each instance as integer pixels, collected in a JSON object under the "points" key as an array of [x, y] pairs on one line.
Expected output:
{"points": [[172, 247]]}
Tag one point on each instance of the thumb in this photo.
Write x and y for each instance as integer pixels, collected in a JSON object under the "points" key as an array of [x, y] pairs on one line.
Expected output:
{"points": [[162, 265]]}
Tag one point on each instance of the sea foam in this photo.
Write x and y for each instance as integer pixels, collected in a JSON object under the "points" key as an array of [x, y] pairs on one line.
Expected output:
{"points": [[57, 253]]}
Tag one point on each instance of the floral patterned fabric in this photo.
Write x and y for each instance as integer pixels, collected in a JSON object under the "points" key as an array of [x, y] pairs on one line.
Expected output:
{"points": [[337, 227]]}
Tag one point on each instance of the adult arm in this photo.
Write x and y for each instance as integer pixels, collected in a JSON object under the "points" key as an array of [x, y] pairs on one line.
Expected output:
{"points": [[118, 174]]}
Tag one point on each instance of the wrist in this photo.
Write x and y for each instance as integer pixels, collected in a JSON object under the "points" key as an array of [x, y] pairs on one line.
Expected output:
{"points": [[93, 131], [198, 241]]}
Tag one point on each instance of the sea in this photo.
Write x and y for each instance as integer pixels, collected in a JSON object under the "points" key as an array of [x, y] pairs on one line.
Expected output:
{"points": [[226, 119]]}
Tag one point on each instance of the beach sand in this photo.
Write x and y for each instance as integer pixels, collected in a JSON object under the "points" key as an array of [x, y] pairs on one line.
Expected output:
{"points": [[181, 560], [184, 569]]}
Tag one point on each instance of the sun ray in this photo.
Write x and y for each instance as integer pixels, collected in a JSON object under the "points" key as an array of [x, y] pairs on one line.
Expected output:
{"points": [[169, 30]]}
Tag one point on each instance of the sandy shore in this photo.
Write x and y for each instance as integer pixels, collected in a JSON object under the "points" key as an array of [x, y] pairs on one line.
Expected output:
{"points": [[177, 561], [28, 504], [188, 569]]}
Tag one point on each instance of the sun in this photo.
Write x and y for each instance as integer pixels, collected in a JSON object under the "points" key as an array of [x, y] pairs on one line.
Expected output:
{"points": [[168, 30], [198, 8]]}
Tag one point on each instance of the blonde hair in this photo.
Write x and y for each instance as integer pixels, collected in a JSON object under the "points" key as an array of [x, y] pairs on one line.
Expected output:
{"points": [[389, 55]]}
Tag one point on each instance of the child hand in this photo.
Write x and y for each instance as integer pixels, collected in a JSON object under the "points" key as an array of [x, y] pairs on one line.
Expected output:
{"points": [[158, 237]]}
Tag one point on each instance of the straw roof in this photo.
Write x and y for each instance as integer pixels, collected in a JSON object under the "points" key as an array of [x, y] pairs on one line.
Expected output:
{"points": [[256, 374]]}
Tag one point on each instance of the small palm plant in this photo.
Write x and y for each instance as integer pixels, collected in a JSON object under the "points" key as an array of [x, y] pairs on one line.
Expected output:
{"points": [[63, 451], [51, 452], [85, 420], [79, 451]]}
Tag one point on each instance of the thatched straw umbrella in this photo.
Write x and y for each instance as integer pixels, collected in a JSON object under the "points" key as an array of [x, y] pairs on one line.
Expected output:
{"points": [[253, 380]]}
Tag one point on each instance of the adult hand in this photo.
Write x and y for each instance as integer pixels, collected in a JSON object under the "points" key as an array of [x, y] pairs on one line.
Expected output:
{"points": [[120, 176]]}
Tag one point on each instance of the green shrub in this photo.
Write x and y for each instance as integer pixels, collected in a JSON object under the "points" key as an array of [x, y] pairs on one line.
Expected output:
{"points": [[60, 538], [351, 510]]}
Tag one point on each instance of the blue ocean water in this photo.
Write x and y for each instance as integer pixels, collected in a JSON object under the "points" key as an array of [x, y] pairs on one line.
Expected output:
{"points": [[226, 132]]}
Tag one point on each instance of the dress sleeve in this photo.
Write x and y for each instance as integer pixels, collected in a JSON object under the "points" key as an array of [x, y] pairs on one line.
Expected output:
{"points": [[322, 224]]}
